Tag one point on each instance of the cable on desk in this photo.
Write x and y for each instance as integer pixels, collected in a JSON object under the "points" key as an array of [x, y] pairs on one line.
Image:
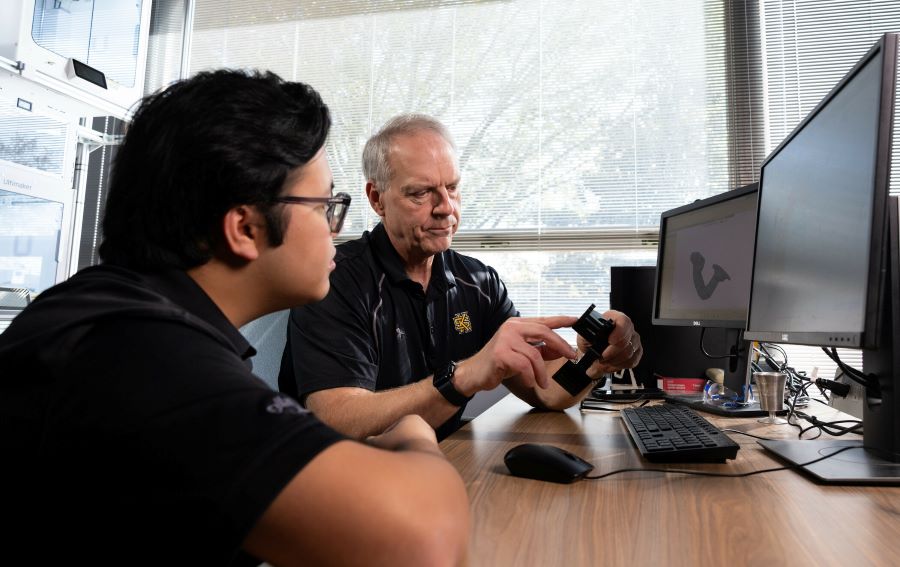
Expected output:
{"points": [[729, 475], [763, 349], [833, 428], [796, 379], [794, 401], [749, 434]]}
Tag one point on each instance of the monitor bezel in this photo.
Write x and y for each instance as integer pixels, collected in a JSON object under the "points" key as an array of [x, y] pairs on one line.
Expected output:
{"points": [[663, 223], [868, 338]]}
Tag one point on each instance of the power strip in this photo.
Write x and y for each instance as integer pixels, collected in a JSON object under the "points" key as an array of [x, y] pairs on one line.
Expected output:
{"points": [[853, 403]]}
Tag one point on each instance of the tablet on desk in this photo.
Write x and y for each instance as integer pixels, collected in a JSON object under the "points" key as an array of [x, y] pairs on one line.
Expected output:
{"points": [[600, 399], [602, 395]]}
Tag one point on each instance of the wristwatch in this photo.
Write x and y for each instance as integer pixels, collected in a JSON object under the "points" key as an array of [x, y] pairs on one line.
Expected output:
{"points": [[443, 381]]}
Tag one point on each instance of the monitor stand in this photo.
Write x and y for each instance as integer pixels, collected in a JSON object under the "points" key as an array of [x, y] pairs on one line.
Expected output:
{"points": [[696, 401], [852, 466], [875, 459]]}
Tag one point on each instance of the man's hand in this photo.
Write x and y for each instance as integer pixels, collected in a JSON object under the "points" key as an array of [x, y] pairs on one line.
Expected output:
{"points": [[519, 347], [624, 350], [410, 433]]}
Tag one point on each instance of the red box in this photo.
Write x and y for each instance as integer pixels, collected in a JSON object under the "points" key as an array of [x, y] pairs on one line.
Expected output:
{"points": [[682, 385]]}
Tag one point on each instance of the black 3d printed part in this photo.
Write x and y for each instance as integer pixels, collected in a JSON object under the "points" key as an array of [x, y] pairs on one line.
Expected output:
{"points": [[595, 330]]}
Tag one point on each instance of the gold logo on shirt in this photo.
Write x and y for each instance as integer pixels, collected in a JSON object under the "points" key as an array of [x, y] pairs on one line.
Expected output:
{"points": [[462, 323]]}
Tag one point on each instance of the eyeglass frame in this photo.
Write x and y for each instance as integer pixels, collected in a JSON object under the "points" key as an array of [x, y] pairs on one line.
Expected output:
{"points": [[335, 223]]}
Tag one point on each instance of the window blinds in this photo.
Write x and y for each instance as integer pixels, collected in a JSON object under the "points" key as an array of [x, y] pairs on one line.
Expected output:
{"points": [[577, 122], [584, 116]]}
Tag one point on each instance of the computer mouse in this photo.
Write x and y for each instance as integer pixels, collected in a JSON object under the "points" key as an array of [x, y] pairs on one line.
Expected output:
{"points": [[546, 462]]}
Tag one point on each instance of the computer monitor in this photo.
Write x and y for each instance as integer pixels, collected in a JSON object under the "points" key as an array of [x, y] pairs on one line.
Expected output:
{"points": [[825, 268], [705, 256], [703, 281]]}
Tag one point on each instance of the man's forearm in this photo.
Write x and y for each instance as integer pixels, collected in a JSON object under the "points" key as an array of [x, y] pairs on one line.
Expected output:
{"points": [[360, 413], [554, 397]]}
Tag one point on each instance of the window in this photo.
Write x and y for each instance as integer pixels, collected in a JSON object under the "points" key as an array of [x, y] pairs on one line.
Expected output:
{"points": [[33, 140], [102, 33], [36, 200], [577, 122]]}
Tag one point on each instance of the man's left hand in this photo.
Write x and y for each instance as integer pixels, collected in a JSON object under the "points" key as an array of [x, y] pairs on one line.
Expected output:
{"points": [[624, 350]]}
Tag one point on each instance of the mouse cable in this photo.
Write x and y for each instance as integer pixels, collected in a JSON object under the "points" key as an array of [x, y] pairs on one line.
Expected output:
{"points": [[748, 434], [729, 475]]}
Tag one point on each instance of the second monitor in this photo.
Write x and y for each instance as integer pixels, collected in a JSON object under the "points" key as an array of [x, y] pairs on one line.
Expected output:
{"points": [[703, 278]]}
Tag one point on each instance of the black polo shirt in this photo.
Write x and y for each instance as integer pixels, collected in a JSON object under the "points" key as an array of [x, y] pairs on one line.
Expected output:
{"points": [[132, 429], [377, 329]]}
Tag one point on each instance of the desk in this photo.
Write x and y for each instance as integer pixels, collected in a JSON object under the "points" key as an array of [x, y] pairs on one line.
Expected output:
{"points": [[640, 519]]}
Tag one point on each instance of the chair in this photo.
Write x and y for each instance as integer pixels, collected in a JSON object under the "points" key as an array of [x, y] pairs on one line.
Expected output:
{"points": [[268, 335]]}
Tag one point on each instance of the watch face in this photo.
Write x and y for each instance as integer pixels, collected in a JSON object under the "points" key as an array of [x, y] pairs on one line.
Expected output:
{"points": [[447, 373]]}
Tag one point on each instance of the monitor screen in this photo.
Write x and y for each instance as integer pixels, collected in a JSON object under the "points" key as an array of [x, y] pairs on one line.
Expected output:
{"points": [[826, 263], [705, 259], [816, 208]]}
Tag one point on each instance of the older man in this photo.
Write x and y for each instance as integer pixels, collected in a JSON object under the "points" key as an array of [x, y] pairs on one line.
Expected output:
{"points": [[409, 325]]}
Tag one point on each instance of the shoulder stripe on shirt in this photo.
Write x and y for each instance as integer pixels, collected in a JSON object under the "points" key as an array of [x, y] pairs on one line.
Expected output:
{"points": [[375, 314], [470, 284]]}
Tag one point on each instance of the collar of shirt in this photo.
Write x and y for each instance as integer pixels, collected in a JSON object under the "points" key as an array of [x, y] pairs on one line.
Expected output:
{"points": [[393, 266], [185, 292]]}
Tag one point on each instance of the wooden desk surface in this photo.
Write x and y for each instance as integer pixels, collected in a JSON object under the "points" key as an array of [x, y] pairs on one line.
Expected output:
{"points": [[639, 519]]}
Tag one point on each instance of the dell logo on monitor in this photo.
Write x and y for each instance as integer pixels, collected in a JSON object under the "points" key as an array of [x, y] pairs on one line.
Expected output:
{"points": [[697, 323], [785, 337]]}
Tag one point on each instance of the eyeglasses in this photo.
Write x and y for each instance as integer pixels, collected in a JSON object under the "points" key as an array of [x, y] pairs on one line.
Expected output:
{"points": [[335, 211]]}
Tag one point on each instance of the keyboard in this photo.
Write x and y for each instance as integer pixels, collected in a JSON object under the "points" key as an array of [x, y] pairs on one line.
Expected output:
{"points": [[676, 434]]}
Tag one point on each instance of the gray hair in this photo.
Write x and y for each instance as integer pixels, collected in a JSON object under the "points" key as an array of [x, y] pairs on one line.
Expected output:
{"points": [[376, 166]]}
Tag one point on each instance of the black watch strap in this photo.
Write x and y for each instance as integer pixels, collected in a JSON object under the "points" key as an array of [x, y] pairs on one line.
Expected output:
{"points": [[443, 381]]}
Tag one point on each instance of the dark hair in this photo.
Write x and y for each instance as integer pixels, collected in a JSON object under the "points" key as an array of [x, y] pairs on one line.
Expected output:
{"points": [[195, 150]]}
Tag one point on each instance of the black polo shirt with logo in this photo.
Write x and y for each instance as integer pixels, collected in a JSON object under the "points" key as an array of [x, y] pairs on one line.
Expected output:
{"points": [[132, 429], [377, 329]]}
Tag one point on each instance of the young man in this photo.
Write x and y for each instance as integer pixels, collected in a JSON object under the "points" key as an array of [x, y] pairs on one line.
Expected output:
{"points": [[132, 429], [410, 326]]}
